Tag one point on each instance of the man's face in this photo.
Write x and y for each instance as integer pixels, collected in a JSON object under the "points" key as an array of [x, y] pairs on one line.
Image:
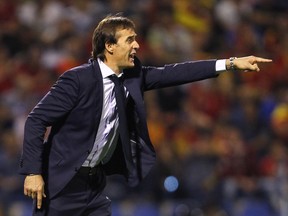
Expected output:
{"points": [[125, 48]]}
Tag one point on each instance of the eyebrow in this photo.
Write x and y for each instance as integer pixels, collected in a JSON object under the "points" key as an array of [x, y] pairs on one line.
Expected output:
{"points": [[131, 36]]}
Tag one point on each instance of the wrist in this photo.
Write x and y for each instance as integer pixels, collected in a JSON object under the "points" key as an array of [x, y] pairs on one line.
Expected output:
{"points": [[230, 64], [33, 174]]}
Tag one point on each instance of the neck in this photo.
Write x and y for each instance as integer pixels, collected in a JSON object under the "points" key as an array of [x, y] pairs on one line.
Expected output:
{"points": [[113, 67]]}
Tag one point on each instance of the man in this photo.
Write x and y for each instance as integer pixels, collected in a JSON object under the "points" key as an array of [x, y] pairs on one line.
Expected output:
{"points": [[65, 174]]}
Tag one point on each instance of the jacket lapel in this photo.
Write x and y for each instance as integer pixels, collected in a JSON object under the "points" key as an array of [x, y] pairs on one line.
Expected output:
{"points": [[98, 97]]}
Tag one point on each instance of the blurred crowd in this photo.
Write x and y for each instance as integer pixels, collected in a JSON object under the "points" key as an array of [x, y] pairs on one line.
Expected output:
{"points": [[224, 141]]}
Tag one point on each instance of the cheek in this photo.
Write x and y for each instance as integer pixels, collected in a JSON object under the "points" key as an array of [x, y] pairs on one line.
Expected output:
{"points": [[123, 54], [120, 55]]}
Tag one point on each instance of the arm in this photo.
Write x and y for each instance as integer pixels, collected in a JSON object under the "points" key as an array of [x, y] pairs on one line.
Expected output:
{"points": [[178, 74], [186, 72], [58, 102], [55, 105]]}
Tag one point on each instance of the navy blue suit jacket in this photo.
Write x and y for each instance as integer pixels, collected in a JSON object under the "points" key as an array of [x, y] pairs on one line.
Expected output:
{"points": [[73, 108]]}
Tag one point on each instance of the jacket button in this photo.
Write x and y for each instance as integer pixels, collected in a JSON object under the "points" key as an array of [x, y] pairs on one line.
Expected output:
{"points": [[88, 152], [76, 169]]}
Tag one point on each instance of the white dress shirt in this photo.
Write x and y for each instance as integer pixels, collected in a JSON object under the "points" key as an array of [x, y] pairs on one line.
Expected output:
{"points": [[107, 134], [220, 65]]}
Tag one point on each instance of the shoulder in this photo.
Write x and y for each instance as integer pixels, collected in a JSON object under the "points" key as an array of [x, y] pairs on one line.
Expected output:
{"points": [[79, 70], [84, 73]]}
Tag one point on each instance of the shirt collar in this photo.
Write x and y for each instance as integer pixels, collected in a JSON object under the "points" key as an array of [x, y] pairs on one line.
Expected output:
{"points": [[105, 70]]}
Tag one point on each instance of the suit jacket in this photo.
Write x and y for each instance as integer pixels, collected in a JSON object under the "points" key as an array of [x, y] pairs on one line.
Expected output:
{"points": [[73, 108]]}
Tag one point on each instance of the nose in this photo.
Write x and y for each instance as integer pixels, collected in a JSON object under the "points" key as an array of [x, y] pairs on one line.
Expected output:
{"points": [[136, 45]]}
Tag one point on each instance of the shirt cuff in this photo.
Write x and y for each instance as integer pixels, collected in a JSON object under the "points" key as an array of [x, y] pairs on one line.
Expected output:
{"points": [[220, 65]]}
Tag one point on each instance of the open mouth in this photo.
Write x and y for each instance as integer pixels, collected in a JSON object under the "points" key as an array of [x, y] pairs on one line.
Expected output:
{"points": [[131, 57]]}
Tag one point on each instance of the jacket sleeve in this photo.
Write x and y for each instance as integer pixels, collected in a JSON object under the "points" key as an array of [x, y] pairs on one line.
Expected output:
{"points": [[54, 105], [177, 74]]}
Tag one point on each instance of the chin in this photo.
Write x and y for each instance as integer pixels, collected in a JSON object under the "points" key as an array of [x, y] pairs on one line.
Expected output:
{"points": [[130, 65]]}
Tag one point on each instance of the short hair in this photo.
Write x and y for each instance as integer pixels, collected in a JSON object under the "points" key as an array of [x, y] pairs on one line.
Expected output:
{"points": [[105, 32]]}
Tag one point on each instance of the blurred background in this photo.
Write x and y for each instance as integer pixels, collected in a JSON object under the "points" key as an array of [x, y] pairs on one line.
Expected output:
{"points": [[221, 143]]}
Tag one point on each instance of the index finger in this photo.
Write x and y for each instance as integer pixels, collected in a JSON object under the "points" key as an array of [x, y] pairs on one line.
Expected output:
{"points": [[258, 59], [39, 198]]}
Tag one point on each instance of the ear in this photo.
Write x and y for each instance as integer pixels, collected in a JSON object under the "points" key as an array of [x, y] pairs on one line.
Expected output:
{"points": [[109, 47]]}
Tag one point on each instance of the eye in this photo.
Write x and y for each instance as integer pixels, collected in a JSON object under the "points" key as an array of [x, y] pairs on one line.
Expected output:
{"points": [[130, 39]]}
